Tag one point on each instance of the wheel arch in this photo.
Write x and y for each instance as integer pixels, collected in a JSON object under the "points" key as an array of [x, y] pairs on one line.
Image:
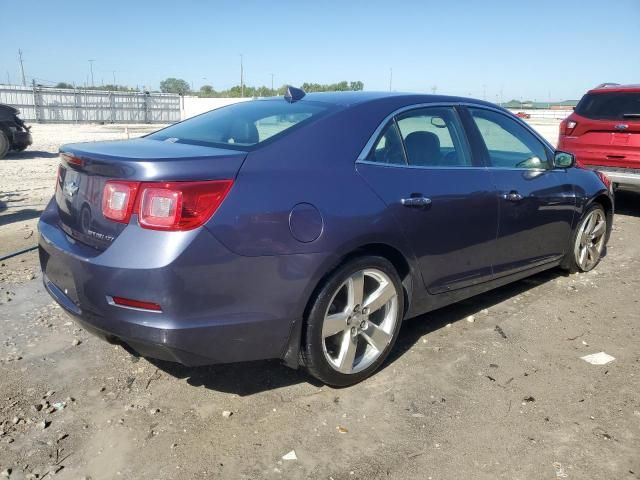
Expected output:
{"points": [[400, 262], [607, 203]]}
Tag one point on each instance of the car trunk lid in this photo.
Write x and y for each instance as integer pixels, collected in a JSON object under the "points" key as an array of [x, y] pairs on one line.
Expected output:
{"points": [[85, 169]]}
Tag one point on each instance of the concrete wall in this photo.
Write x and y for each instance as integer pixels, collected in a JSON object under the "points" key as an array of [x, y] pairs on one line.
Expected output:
{"points": [[191, 106]]}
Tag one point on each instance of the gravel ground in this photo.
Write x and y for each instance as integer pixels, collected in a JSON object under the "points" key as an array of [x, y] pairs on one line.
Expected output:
{"points": [[493, 387]]}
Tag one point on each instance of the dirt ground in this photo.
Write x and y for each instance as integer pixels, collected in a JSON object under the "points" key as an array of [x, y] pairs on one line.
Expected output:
{"points": [[493, 387]]}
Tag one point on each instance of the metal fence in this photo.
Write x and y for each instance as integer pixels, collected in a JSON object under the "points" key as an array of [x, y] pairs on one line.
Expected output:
{"points": [[61, 105]]}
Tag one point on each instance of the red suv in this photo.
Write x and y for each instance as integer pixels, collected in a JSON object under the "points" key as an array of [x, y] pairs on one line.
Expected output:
{"points": [[604, 132]]}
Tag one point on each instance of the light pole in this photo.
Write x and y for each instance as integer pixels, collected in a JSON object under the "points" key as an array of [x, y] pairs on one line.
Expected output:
{"points": [[91, 69], [24, 82], [241, 77], [272, 91]]}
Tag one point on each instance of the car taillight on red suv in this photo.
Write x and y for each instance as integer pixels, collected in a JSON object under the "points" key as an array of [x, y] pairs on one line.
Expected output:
{"points": [[567, 125], [169, 206]]}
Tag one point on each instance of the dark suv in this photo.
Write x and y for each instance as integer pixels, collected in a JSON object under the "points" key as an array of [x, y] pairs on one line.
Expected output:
{"points": [[14, 133], [604, 132]]}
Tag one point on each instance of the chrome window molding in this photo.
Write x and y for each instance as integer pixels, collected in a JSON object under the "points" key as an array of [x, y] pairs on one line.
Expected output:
{"points": [[364, 153]]}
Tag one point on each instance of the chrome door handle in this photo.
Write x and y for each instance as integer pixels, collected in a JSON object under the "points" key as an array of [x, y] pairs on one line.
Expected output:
{"points": [[512, 196], [416, 202]]}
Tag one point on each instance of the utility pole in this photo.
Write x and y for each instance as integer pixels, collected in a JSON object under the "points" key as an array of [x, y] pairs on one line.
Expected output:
{"points": [[272, 91], [8, 78], [390, 78], [241, 77], [114, 77], [91, 69], [24, 82]]}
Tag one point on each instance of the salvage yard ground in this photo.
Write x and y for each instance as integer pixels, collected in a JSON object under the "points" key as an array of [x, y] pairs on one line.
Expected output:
{"points": [[490, 388]]}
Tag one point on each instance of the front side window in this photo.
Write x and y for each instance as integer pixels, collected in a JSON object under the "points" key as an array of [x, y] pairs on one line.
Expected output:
{"points": [[433, 137], [242, 125], [508, 143]]}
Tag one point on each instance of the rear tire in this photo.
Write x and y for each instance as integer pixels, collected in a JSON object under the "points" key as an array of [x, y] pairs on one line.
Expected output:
{"points": [[4, 144], [588, 241], [353, 322]]}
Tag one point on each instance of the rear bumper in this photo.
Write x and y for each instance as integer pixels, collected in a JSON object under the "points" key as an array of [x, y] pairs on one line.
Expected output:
{"points": [[620, 176], [21, 139], [217, 307]]}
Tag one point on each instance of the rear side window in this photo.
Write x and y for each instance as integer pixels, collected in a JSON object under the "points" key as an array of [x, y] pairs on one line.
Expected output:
{"points": [[388, 148], [508, 143], [610, 106], [433, 138], [243, 125]]}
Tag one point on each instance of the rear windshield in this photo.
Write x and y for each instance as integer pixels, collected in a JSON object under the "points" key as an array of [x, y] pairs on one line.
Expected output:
{"points": [[610, 106], [243, 125]]}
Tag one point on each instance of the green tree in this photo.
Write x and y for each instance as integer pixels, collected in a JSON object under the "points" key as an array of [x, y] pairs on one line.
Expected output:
{"points": [[175, 85], [207, 91], [63, 85]]}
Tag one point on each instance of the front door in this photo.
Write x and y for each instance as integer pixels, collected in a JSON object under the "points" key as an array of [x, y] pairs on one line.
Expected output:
{"points": [[536, 201], [422, 168]]}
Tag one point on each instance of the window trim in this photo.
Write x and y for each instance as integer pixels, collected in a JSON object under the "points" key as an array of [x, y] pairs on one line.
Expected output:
{"points": [[362, 158], [373, 140], [549, 149]]}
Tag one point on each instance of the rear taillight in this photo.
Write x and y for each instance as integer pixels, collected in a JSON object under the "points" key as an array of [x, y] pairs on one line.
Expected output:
{"points": [[180, 205], [567, 126], [118, 200], [164, 205]]}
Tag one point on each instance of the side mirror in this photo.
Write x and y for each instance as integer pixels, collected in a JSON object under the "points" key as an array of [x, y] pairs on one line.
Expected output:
{"points": [[563, 160]]}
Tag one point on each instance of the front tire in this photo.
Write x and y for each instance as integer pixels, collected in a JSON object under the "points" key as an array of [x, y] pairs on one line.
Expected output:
{"points": [[353, 322], [588, 241]]}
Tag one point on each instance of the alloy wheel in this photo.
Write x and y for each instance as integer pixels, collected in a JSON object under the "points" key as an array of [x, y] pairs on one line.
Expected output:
{"points": [[590, 240], [360, 320]]}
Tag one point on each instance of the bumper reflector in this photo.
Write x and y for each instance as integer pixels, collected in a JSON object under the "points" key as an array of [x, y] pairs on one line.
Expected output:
{"points": [[134, 304]]}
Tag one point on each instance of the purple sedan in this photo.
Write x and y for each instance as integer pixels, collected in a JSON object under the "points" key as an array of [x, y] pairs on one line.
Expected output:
{"points": [[307, 228]]}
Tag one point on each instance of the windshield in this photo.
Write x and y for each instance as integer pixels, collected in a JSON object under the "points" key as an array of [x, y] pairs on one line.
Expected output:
{"points": [[242, 125], [610, 106]]}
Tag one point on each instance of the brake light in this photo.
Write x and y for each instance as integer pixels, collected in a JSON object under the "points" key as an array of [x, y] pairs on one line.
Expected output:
{"points": [[567, 126], [118, 200], [71, 160], [164, 205], [180, 205]]}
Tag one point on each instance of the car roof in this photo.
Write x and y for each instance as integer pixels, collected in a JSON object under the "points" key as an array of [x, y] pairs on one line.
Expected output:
{"points": [[614, 87], [350, 98]]}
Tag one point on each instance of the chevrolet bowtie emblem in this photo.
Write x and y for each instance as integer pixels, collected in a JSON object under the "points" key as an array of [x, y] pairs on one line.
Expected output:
{"points": [[70, 188]]}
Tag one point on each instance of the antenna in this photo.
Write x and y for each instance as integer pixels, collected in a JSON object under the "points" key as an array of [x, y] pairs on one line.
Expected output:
{"points": [[293, 94]]}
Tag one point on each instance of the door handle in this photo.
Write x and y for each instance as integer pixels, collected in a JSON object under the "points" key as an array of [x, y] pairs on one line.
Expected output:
{"points": [[512, 196], [416, 202]]}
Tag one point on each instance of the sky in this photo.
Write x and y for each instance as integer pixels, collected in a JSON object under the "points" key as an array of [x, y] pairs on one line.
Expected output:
{"points": [[493, 49]]}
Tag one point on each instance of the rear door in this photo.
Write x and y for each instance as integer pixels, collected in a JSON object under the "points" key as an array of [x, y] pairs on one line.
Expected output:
{"points": [[422, 168], [536, 202]]}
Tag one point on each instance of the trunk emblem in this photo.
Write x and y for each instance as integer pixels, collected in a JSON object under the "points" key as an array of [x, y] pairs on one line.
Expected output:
{"points": [[70, 188], [621, 126]]}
